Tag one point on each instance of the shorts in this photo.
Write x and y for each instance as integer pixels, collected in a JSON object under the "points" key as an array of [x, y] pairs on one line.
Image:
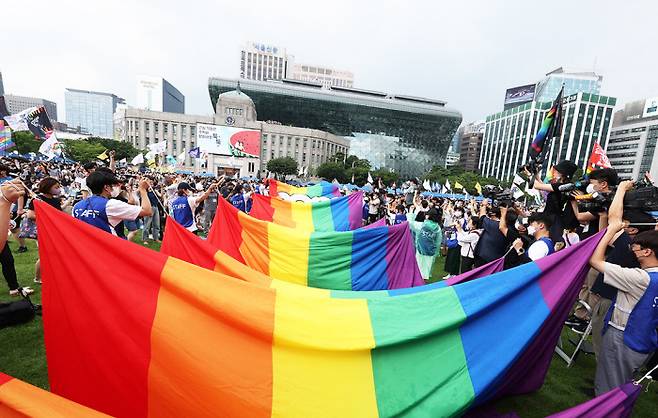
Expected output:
{"points": [[131, 225]]}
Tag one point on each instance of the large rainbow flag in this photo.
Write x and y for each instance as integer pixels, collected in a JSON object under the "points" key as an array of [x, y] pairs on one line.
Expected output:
{"points": [[153, 336], [364, 259], [322, 189], [337, 214], [180, 243], [20, 400]]}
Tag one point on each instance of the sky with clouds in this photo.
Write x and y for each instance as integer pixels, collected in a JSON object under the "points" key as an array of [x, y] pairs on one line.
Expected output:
{"points": [[464, 52]]}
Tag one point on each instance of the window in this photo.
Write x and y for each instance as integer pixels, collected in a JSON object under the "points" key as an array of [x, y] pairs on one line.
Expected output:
{"points": [[192, 131], [147, 126], [184, 131], [166, 128], [173, 129]]}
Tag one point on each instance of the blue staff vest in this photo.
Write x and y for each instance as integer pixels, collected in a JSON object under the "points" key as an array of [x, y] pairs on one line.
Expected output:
{"points": [[641, 333], [182, 211], [92, 211], [237, 200]]}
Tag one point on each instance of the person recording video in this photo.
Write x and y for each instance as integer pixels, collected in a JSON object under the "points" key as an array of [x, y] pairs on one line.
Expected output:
{"points": [[560, 213], [600, 182]]}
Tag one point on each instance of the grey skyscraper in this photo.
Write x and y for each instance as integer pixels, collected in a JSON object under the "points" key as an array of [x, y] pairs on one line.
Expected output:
{"points": [[17, 104], [159, 95], [91, 110]]}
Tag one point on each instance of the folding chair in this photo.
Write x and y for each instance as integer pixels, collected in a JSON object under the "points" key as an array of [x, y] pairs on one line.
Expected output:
{"points": [[579, 341]]}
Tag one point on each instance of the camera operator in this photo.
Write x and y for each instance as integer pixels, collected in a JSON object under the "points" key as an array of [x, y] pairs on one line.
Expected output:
{"points": [[538, 226], [630, 330], [600, 181], [560, 213]]}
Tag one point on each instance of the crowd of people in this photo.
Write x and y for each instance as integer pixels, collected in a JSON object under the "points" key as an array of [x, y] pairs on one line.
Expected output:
{"points": [[620, 293]]}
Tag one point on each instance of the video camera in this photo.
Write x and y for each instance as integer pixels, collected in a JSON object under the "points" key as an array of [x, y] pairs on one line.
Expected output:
{"points": [[643, 197], [498, 196]]}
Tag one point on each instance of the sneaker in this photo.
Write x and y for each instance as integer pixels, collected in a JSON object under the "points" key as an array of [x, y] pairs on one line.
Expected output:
{"points": [[447, 276], [22, 250]]}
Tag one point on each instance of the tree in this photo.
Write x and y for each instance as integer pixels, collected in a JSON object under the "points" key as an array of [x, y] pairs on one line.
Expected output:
{"points": [[282, 165], [388, 177], [330, 171], [25, 142]]}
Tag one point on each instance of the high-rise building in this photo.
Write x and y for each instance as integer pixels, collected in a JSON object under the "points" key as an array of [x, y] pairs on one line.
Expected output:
{"points": [[324, 75], [157, 94], [471, 145], [403, 133], [2, 87], [17, 104], [573, 81], [586, 119], [92, 111], [632, 145], [263, 62]]}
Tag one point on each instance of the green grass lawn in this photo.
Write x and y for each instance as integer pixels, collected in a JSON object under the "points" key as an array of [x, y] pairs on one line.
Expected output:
{"points": [[22, 355]]}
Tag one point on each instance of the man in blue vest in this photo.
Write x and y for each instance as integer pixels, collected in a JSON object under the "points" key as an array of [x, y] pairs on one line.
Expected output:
{"points": [[104, 212], [184, 205], [630, 331]]}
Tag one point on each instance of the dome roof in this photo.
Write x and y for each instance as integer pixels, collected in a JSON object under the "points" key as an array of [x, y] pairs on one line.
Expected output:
{"points": [[235, 95]]}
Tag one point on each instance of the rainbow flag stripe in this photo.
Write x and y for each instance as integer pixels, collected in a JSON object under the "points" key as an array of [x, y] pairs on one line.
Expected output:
{"points": [[364, 259], [322, 189], [337, 214], [20, 400], [151, 336], [180, 243]]}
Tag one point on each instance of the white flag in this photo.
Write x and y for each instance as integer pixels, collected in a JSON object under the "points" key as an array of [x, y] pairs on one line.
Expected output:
{"points": [[181, 157], [426, 185], [139, 159], [448, 185], [158, 147], [516, 192], [50, 147], [370, 180], [18, 121], [518, 180]]}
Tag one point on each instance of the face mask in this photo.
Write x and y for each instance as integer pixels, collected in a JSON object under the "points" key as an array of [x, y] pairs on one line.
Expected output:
{"points": [[590, 189], [116, 191], [458, 214], [531, 230], [56, 191]]}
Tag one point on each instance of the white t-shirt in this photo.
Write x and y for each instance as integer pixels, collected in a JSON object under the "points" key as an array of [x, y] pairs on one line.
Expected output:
{"points": [[118, 211], [537, 250]]}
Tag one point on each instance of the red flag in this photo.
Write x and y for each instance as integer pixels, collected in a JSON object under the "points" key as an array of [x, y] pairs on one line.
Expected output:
{"points": [[598, 159]]}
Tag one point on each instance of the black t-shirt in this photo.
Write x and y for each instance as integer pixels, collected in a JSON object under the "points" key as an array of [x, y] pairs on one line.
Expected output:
{"points": [[621, 255], [55, 202]]}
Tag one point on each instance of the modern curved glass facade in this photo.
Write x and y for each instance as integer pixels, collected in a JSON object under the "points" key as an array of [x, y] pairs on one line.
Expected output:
{"points": [[402, 133]]}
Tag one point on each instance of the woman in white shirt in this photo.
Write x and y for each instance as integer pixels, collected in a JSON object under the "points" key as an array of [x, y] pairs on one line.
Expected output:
{"points": [[468, 239]]}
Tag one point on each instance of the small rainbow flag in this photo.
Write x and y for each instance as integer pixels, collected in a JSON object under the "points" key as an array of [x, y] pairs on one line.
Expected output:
{"points": [[5, 137], [337, 214], [167, 338], [363, 259], [550, 127], [322, 189]]}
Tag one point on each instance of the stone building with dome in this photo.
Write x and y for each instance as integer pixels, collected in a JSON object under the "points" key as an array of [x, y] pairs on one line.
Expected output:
{"points": [[251, 143]]}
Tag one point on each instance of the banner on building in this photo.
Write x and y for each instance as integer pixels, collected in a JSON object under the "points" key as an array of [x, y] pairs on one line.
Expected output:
{"points": [[226, 140]]}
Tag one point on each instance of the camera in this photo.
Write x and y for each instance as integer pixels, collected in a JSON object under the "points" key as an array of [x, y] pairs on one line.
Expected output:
{"points": [[643, 197], [498, 196], [595, 202]]}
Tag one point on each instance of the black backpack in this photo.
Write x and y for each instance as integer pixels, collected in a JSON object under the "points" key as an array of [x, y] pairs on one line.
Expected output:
{"points": [[19, 312]]}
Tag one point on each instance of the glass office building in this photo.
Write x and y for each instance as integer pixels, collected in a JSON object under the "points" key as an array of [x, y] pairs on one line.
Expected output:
{"points": [[91, 110], [586, 119], [402, 133], [574, 82]]}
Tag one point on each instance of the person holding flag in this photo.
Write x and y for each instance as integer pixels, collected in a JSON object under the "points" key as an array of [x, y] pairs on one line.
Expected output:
{"points": [[102, 210], [184, 205]]}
